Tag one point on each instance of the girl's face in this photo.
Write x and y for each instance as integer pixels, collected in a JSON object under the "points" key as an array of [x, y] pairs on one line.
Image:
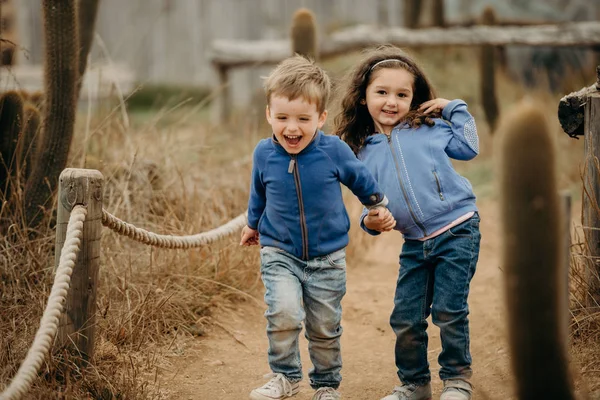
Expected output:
{"points": [[388, 97], [294, 122]]}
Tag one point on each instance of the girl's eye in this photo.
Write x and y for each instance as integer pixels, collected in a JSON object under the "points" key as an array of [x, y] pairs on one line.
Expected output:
{"points": [[401, 94], [381, 92]]}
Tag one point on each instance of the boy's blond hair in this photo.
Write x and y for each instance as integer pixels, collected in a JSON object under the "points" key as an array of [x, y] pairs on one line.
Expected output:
{"points": [[297, 77]]}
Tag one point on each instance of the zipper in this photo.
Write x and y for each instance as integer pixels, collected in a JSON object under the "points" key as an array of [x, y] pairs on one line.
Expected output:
{"points": [[293, 169], [439, 186], [410, 209]]}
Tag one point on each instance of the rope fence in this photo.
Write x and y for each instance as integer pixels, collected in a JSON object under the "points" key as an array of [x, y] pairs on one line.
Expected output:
{"points": [[80, 217], [44, 337]]}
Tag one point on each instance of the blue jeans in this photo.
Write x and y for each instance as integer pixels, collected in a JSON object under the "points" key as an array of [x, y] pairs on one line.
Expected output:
{"points": [[309, 291], [434, 279]]}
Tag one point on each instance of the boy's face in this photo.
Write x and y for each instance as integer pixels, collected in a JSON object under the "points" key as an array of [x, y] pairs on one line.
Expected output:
{"points": [[294, 122]]}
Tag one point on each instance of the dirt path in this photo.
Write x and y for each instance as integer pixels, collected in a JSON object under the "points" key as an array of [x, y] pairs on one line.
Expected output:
{"points": [[231, 360]]}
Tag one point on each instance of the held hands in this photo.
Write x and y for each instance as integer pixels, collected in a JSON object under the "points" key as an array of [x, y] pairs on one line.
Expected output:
{"points": [[433, 105], [379, 219], [249, 237]]}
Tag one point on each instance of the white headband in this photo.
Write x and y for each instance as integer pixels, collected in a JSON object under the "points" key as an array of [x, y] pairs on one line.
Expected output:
{"points": [[383, 61]]}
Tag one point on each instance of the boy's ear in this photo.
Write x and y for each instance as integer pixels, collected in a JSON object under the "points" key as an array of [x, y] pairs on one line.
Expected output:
{"points": [[322, 119], [268, 114]]}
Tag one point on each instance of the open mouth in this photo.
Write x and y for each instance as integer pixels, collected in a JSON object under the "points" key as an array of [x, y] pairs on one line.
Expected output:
{"points": [[389, 112], [292, 140]]}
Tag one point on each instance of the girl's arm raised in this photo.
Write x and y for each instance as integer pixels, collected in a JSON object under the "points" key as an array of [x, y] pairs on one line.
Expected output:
{"points": [[464, 144]]}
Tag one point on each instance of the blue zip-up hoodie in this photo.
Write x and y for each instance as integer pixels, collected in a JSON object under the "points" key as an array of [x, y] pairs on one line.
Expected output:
{"points": [[413, 168], [296, 200]]}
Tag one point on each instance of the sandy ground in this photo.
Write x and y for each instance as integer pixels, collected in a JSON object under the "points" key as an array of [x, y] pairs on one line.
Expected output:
{"points": [[232, 359]]}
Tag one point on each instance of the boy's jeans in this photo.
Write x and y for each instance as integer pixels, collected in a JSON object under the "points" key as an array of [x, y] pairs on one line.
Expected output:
{"points": [[434, 278], [309, 291]]}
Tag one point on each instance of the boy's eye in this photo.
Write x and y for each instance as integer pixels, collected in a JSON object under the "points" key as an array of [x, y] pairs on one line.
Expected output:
{"points": [[304, 119], [281, 118]]}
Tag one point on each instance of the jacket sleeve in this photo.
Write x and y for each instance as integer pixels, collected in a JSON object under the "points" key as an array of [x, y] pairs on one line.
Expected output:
{"points": [[355, 175], [464, 143], [257, 200]]}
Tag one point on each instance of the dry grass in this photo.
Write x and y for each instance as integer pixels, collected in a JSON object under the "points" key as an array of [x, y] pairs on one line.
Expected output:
{"points": [[174, 172]]}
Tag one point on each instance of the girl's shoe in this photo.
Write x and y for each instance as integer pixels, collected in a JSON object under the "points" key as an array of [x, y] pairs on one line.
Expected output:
{"points": [[410, 392], [457, 389], [277, 388], [326, 393]]}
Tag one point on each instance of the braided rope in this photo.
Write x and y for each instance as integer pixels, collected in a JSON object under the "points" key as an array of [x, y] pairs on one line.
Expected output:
{"points": [[44, 337], [170, 241]]}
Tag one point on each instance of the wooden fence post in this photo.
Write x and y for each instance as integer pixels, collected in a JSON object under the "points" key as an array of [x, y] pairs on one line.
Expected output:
{"points": [[591, 196], [77, 322], [565, 198], [223, 102]]}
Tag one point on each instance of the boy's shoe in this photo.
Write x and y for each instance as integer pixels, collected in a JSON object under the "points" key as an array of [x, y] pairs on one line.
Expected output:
{"points": [[410, 392], [277, 388], [456, 389], [326, 393]]}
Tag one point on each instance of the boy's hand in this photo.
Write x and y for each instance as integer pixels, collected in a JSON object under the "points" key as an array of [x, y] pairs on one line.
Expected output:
{"points": [[433, 105], [379, 219], [249, 237]]}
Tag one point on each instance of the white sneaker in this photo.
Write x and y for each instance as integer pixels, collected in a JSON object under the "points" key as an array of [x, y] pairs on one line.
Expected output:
{"points": [[277, 388], [410, 392], [456, 389], [327, 393]]}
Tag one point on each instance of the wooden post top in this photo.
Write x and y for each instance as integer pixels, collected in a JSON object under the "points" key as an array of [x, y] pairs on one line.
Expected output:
{"points": [[571, 108], [80, 186]]}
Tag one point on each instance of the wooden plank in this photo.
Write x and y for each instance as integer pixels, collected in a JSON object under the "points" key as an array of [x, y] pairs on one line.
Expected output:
{"points": [[237, 53]]}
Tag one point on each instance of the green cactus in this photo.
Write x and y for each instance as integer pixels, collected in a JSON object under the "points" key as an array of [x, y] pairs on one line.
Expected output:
{"points": [[304, 34], [487, 86], [61, 74], [11, 120], [532, 256]]}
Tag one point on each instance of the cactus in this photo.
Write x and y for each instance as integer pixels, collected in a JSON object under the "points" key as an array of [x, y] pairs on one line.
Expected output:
{"points": [[61, 73], [8, 33], [412, 13], [29, 139], [11, 119], [438, 13], [487, 77], [304, 34], [88, 10], [532, 256]]}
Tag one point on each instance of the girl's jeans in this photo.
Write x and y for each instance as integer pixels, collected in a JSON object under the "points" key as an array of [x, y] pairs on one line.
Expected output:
{"points": [[434, 279], [309, 291]]}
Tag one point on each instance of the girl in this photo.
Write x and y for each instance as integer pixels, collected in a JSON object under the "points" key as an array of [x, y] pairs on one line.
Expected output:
{"points": [[391, 119]]}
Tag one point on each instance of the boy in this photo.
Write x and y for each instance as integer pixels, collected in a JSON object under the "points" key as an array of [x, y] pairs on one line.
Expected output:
{"points": [[297, 210]]}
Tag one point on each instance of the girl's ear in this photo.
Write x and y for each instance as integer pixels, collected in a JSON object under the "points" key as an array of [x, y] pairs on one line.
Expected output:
{"points": [[363, 101]]}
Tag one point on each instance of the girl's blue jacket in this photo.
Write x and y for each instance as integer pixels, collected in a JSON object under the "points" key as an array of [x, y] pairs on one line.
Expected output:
{"points": [[413, 168], [296, 200]]}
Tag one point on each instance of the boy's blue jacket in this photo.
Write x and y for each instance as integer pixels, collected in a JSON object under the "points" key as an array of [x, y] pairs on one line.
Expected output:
{"points": [[413, 168], [296, 200]]}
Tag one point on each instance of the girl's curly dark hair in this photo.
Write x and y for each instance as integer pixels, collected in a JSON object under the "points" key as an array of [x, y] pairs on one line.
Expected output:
{"points": [[354, 123]]}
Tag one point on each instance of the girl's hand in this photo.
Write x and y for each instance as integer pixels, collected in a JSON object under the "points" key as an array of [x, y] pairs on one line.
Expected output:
{"points": [[433, 105], [379, 219], [249, 237]]}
